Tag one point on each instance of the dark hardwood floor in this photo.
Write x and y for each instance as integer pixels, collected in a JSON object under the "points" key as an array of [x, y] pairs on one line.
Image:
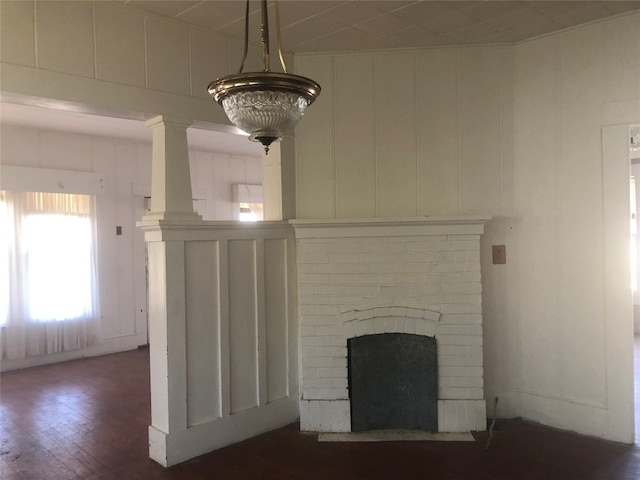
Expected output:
{"points": [[88, 419]]}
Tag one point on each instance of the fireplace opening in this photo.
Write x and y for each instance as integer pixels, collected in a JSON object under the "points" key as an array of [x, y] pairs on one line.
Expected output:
{"points": [[393, 382]]}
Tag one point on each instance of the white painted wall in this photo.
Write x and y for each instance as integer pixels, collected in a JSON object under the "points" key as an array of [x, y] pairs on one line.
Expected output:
{"points": [[126, 168], [516, 133]]}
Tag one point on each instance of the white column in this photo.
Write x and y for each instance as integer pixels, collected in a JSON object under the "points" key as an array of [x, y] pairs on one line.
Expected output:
{"points": [[171, 197], [171, 207], [278, 180]]}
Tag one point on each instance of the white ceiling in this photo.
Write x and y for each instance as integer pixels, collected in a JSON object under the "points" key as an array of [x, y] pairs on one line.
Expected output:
{"points": [[340, 25]]}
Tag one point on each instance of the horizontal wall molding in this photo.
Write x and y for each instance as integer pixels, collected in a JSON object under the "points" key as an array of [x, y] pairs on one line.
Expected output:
{"points": [[28, 179]]}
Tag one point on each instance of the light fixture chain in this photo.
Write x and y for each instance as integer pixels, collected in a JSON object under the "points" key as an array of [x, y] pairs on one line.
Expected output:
{"points": [[266, 63], [246, 37], [284, 67]]}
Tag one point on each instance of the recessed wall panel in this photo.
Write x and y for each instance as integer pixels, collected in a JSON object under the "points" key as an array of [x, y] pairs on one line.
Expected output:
{"points": [[17, 43], [479, 141], [437, 132], [243, 326], [65, 37], [167, 58], [315, 176], [119, 46], [395, 135], [275, 278], [202, 331], [355, 137]]}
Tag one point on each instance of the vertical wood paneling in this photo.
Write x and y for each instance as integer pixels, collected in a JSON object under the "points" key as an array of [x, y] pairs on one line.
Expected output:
{"points": [[580, 229], [209, 60], [202, 331], [167, 57], [315, 173], [17, 40], [355, 136], [65, 37], [277, 321], [479, 141], [243, 334], [395, 135], [119, 46], [437, 119], [537, 210]]}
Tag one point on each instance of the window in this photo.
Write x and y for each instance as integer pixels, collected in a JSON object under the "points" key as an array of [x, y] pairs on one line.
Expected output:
{"points": [[48, 273]]}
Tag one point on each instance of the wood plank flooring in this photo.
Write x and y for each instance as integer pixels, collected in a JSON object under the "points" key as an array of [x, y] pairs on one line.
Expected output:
{"points": [[88, 420]]}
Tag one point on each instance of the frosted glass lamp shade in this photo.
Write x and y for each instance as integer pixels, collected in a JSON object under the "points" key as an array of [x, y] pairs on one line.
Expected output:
{"points": [[265, 105]]}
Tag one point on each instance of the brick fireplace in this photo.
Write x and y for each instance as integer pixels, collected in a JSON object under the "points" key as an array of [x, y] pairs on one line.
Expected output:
{"points": [[416, 276]]}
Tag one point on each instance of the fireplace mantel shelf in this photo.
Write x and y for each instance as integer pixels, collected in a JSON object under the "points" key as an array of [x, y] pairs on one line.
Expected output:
{"points": [[402, 226]]}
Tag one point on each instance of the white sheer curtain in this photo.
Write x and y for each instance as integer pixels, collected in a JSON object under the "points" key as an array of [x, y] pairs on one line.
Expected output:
{"points": [[48, 274]]}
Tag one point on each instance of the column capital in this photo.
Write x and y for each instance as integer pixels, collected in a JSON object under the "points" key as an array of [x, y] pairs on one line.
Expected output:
{"points": [[168, 120]]}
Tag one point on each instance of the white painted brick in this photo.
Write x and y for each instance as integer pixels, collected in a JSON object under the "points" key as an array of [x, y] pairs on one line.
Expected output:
{"points": [[372, 258], [415, 267], [463, 237], [352, 268], [408, 278], [391, 246], [305, 290], [460, 371], [316, 341], [421, 327], [378, 325], [309, 372], [464, 299], [346, 278], [459, 340], [389, 324], [338, 340], [444, 329], [305, 424], [385, 267], [472, 266], [338, 382], [410, 325], [345, 300], [448, 267], [462, 288], [332, 310], [459, 382], [349, 330], [461, 319], [325, 393], [364, 290], [339, 258], [465, 244], [315, 300], [329, 289], [307, 331], [317, 382], [331, 351], [429, 246], [469, 277], [398, 311], [467, 255], [309, 319], [333, 372], [326, 268], [319, 362], [368, 328], [313, 278], [312, 258], [330, 330]]}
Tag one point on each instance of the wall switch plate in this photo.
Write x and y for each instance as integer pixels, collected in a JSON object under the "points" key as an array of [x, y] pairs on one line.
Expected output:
{"points": [[499, 254]]}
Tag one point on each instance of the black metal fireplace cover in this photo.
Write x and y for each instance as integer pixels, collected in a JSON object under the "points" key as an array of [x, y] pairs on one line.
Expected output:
{"points": [[393, 382]]}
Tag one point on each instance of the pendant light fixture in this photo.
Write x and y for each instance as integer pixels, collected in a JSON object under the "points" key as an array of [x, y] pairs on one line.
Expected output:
{"points": [[266, 104]]}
